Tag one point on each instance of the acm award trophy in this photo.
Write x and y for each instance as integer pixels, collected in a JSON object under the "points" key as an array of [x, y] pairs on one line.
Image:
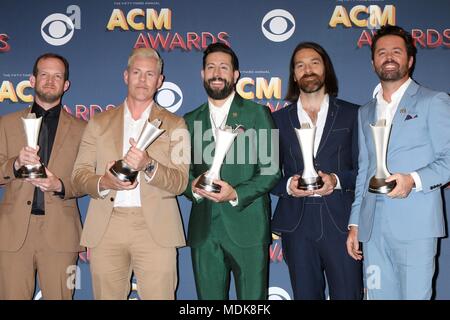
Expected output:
{"points": [[121, 170], [32, 126], [310, 180], [224, 140], [380, 134]]}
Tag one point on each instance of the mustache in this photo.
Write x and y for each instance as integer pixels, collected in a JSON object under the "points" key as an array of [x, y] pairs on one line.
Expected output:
{"points": [[216, 79], [390, 62], [311, 75]]}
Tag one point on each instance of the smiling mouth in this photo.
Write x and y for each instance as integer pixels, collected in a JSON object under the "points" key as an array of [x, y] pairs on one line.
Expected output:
{"points": [[390, 65]]}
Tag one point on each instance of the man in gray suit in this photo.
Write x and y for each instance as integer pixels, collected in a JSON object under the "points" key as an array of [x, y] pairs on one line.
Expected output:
{"points": [[399, 231]]}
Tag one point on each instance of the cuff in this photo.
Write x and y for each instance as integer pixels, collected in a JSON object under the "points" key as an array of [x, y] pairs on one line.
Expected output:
{"points": [[61, 193], [196, 196], [417, 181], [103, 193], [338, 182], [288, 190], [351, 225], [234, 203]]}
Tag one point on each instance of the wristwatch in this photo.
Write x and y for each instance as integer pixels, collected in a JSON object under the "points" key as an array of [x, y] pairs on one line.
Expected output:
{"points": [[150, 166]]}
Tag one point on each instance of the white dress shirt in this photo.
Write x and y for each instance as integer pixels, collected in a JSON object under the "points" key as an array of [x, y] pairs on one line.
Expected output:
{"points": [[303, 117], [131, 129]]}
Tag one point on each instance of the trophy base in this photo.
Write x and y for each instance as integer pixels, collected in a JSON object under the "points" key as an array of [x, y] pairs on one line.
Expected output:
{"points": [[310, 183], [207, 184], [123, 172], [380, 186], [32, 172]]}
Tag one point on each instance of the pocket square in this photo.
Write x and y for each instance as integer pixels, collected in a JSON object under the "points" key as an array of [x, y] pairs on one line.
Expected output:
{"points": [[410, 116]]}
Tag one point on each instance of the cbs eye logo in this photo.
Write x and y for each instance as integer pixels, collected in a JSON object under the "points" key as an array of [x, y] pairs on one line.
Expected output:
{"points": [[169, 96], [278, 25], [57, 29], [277, 293]]}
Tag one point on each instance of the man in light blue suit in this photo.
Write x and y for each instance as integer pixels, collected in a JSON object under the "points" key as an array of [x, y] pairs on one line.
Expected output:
{"points": [[399, 230]]}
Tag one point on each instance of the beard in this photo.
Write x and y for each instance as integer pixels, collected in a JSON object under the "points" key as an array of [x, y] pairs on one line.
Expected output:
{"points": [[47, 96], [218, 94], [311, 83], [392, 75]]}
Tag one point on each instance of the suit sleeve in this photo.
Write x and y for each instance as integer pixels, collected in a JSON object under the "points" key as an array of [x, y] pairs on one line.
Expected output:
{"points": [[191, 178], [84, 177], [6, 161], [437, 173], [268, 172], [70, 191], [173, 176], [280, 188], [363, 167]]}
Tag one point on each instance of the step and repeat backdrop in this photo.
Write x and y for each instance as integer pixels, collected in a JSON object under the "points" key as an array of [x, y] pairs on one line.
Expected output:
{"points": [[97, 37]]}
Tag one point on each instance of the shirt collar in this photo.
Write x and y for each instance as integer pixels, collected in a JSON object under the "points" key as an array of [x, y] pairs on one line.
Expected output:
{"points": [[144, 115], [396, 96], [323, 105], [224, 108], [53, 112]]}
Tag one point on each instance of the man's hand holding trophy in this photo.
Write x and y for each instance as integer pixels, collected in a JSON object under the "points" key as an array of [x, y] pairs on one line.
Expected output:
{"points": [[28, 163], [380, 133], [310, 182], [122, 174], [209, 185]]}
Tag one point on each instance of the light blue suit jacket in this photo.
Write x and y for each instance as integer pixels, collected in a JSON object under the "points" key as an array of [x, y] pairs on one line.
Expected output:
{"points": [[419, 141]]}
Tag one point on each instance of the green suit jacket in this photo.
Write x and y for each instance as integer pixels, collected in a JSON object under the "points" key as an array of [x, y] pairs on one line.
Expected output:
{"points": [[251, 167]]}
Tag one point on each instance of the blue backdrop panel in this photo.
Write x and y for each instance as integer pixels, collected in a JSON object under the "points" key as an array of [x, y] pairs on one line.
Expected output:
{"points": [[97, 37]]}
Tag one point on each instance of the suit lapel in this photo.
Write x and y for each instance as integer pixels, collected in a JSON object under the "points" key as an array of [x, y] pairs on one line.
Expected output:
{"points": [[405, 107], [61, 132], [331, 117], [235, 116], [116, 130], [293, 116]]}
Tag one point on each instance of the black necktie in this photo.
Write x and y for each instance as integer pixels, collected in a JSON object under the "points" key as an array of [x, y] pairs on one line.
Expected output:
{"points": [[39, 201]]}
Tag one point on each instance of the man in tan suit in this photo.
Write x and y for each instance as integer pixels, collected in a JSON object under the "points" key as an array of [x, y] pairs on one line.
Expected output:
{"points": [[39, 219], [134, 227]]}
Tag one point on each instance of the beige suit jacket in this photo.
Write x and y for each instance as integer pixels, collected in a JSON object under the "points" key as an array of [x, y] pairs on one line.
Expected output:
{"points": [[103, 142], [62, 217]]}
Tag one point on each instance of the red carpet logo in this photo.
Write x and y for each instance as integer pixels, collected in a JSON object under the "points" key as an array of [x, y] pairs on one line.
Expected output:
{"points": [[169, 96], [276, 251], [278, 25], [57, 29], [4, 46], [277, 293], [154, 21], [15, 93]]}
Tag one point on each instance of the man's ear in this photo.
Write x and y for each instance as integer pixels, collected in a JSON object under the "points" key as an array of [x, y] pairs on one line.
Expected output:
{"points": [[236, 75], [32, 81], [66, 85], [125, 76]]}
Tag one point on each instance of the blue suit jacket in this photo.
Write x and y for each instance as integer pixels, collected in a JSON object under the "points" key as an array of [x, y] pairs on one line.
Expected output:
{"points": [[337, 153], [419, 141]]}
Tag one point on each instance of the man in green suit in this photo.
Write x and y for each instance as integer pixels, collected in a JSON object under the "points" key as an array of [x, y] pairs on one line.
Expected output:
{"points": [[229, 230]]}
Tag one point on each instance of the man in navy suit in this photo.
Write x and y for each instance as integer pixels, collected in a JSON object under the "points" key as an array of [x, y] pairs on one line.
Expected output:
{"points": [[313, 224], [399, 230]]}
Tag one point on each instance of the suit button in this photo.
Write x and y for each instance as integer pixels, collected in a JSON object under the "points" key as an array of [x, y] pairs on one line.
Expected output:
{"points": [[28, 202], [112, 199]]}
